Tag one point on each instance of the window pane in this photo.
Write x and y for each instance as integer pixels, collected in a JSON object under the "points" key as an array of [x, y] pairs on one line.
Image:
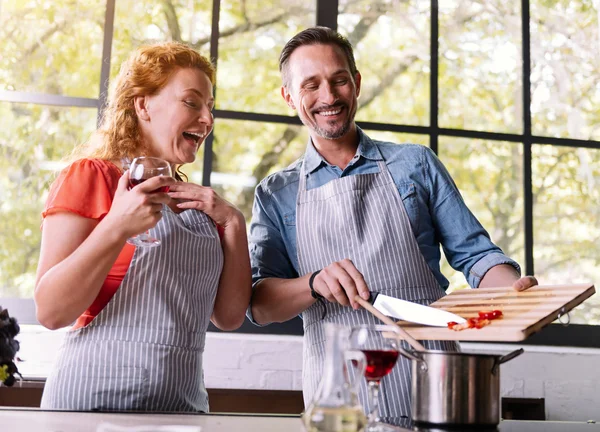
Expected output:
{"points": [[399, 138], [33, 139], [245, 152], [565, 72], [139, 23], [391, 45], [566, 219], [252, 35], [489, 177], [480, 65], [52, 47]]}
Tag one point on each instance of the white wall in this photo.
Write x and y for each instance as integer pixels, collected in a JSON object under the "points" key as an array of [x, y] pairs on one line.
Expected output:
{"points": [[568, 378]]}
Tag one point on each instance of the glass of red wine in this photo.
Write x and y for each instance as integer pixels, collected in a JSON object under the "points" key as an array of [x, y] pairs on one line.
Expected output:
{"points": [[141, 169], [379, 345]]}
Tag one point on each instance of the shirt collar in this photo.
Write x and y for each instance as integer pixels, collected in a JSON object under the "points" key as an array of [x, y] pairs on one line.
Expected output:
{"points": [[366, 149]]}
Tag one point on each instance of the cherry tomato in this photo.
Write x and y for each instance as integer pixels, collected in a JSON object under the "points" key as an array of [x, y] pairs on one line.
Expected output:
{"points": [[477, 322], [490, 315]]}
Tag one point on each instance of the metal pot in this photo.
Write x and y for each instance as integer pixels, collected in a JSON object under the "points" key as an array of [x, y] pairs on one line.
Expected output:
{"points": [[453, 388]]}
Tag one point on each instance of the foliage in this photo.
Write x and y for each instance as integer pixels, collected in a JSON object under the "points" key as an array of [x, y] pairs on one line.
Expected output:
{"points": [[8, 348]]}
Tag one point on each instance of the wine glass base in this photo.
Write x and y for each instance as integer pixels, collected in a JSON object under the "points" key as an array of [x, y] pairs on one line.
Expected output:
{"points": [[143, 242], [382, 427]]}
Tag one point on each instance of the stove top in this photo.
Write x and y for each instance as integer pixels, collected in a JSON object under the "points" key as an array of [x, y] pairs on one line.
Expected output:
{"points": [[516, 426]]}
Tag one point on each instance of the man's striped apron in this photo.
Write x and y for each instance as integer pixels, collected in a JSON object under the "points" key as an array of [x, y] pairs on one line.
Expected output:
{"points": [[363, 218]]}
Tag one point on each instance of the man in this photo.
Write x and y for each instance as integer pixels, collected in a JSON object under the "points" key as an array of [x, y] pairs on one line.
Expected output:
{"points": [[354, 215]]}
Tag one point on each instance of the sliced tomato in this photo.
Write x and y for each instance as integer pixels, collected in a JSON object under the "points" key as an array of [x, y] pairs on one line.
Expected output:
{"points": [[477, 322], [472, 322], [481, 321], [490, 315]]}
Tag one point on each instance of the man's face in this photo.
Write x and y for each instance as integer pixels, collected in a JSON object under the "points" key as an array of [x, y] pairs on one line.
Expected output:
{"points": [[322, 89]]}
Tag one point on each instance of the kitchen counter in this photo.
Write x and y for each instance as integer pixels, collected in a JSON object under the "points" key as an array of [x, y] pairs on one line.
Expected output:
{"points": [[566, 378], [36, 420]]}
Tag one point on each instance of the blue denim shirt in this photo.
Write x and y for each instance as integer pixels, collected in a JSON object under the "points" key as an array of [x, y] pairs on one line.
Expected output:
{"points": [[437, 212]]}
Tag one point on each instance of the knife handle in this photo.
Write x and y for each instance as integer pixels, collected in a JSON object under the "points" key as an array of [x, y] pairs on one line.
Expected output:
{"points": [[368, 306], [372, 296]]}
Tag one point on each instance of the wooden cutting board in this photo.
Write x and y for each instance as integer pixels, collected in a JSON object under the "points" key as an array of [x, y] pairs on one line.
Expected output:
{"points": [[525, 312]]}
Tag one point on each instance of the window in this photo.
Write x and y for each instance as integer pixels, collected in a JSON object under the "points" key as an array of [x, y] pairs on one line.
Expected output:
{"points": [[480, 65], [251, 37], [565, 71], [489, 175], [33, 139], [566, 218], [505, 92], [139, 23], [245, 152], [391, 47], [52, 47]]}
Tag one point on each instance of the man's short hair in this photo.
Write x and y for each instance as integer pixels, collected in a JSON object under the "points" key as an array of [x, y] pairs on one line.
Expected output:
{"points": [[315, 36]]}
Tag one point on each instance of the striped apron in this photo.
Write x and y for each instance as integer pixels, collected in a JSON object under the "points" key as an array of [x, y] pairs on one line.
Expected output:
{"points": [[362, 217], [144, 349]]}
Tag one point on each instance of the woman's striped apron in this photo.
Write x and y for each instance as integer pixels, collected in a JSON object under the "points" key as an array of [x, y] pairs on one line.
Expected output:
{"points": [[362, 217], [144, 350]]}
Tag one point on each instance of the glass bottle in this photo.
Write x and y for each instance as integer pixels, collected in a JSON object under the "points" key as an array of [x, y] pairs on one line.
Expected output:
{"points": [[335, 406]]}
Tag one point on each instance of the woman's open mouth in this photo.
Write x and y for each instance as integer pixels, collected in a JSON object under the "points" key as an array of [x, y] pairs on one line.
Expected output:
{"points": [[194, 138]]}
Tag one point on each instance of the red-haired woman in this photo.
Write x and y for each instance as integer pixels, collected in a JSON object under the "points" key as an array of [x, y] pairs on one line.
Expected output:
{"points": [[140, 313]]}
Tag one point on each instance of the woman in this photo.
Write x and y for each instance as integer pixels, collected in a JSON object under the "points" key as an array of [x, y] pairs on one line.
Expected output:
{"points": [[141, 313]]}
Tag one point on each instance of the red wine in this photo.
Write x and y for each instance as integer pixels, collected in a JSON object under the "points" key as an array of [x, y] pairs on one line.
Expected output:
{"points": [[134, 182], [379, 363]]}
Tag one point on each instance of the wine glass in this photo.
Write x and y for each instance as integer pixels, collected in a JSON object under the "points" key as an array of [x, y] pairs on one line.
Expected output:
{"points": [[141, 169], [379, 345]]}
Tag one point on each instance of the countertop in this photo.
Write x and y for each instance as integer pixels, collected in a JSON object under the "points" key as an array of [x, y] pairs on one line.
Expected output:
{"points": [[36, 420]]}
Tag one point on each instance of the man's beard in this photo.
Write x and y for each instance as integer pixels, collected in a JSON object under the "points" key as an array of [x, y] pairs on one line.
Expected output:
{"points": [[333, 134]]}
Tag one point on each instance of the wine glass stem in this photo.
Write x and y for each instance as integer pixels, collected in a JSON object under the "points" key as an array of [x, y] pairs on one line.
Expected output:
{"points": [[373, 387]]}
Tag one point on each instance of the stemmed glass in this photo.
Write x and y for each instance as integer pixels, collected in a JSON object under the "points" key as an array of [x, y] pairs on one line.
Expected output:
{"points": [[379, 345], [141, 169]]}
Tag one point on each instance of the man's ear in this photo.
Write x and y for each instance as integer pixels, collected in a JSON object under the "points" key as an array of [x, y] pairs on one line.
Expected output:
{"points": [[141, 107], [357, 79], [287, 97]]}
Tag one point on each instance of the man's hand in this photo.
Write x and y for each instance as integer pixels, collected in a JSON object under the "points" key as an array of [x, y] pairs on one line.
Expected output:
{"points": [[340, 282], [503, 275], [525, 282]]}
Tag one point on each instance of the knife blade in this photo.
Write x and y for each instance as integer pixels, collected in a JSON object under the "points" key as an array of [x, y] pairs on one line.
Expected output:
{"points": [[413, 312]]}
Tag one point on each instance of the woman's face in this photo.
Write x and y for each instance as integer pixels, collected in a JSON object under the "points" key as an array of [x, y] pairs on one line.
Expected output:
{"points": [[175, 121]]}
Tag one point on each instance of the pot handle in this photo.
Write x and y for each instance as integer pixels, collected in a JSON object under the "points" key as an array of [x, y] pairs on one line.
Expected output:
{"points": [[413, 355], [506, 358]]}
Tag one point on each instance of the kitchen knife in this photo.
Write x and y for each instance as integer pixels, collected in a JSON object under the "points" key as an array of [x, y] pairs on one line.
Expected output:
{"points": [[413, 312]]}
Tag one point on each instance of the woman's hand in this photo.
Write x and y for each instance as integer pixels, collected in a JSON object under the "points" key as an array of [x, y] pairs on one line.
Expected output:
{"points": [[138, 209], [205, 199]]}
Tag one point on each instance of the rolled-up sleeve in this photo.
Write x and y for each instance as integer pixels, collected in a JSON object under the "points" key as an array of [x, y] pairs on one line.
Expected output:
{"points": [[481, 267], [268, 252], [466, 244]]}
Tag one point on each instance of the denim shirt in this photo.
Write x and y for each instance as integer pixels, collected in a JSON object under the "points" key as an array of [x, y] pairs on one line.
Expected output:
{"points": [[437, 212]]}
